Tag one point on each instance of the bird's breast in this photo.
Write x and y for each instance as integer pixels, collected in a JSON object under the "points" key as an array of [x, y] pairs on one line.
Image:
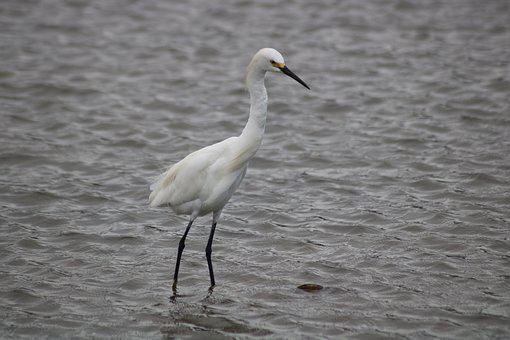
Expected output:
{"points": [[219, 193]]}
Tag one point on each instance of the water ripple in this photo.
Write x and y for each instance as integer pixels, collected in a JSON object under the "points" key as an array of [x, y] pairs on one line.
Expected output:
{"points": [[387, 184]]}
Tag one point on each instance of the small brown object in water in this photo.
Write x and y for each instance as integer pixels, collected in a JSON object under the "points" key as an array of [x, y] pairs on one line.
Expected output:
{"points": [[310, 287]]}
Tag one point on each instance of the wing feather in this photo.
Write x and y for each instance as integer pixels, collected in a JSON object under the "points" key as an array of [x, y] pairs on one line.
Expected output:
{"points": [[184, 181]]}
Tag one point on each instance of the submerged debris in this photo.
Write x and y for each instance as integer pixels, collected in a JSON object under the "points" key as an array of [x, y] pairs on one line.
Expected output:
{"points": [[310, 287]]}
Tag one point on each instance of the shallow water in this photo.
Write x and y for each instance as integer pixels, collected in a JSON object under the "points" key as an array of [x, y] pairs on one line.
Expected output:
{"points": [[388, 183]]}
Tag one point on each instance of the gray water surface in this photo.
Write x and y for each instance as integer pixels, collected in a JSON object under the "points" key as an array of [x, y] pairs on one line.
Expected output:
{"points": [[388, 183]]}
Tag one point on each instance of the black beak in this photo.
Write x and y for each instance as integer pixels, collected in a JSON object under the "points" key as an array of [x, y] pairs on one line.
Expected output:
{"points": [[291, 74]]}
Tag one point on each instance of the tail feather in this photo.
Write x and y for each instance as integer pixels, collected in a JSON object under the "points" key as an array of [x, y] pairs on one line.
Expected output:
{"points": [[155, 189], [161, 187]]}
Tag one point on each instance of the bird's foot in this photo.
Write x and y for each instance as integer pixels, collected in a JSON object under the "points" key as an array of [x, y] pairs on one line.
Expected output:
{"points": [[174, 291], [210, 290], [209, 294]]}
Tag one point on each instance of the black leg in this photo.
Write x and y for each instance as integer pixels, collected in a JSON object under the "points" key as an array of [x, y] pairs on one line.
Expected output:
{"points": [[179, 253], [208, 251]]}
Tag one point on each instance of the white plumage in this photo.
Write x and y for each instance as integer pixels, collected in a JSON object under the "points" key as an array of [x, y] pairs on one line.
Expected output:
{"points": [[204, 181]]}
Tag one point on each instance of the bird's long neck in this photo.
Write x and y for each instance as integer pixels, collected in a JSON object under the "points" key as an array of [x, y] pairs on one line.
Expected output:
{"points": [[256, 125]]}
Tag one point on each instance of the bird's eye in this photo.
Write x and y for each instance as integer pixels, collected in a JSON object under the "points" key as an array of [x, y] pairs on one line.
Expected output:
{"points": [[272, 62]]}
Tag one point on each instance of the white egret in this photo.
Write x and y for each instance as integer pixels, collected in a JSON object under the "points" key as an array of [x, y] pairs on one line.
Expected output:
{"points": [[204, 181]]}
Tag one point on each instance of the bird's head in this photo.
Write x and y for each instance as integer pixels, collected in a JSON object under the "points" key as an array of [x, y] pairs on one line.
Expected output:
{"points": [[270, 60]]}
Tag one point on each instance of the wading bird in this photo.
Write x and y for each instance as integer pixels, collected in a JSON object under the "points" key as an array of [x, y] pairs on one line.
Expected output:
{"points": [[204, 181]]}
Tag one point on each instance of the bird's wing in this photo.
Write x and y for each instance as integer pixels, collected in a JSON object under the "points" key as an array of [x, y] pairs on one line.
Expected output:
{"points": [[183, 182]]}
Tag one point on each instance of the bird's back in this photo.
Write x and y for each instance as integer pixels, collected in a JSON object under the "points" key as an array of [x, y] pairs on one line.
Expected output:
{"points": [[182, 182], [194, 177]]}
